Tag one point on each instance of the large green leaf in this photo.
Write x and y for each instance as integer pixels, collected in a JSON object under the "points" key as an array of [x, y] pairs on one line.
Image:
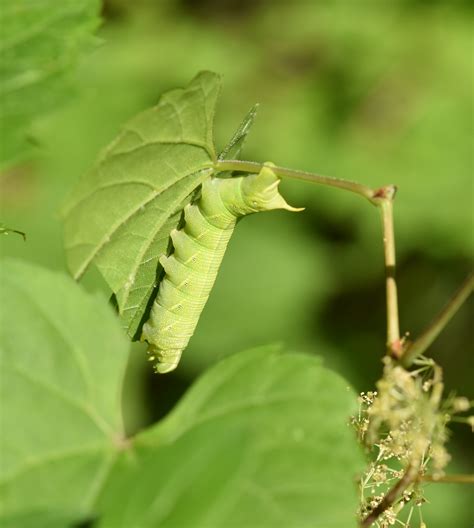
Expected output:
{"points": [[41, 42], [62, 360], [122, 212], [261, 441]]}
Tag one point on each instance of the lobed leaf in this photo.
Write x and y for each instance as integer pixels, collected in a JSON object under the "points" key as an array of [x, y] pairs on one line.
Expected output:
{"points": [[121, 214]]}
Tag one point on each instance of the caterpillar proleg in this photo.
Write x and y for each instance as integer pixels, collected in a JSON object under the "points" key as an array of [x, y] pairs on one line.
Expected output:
{"points": [[191, 270]]}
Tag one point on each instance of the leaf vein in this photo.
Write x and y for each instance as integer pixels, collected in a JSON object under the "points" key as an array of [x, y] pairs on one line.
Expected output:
{"points": [[90, 413], [122, 221]]}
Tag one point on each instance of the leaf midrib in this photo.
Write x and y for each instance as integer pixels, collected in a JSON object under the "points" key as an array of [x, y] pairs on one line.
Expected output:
{"points": [[170, 210]]}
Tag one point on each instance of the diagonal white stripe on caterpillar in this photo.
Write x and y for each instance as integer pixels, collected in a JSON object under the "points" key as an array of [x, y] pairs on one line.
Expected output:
{"points": [[191, 270]]}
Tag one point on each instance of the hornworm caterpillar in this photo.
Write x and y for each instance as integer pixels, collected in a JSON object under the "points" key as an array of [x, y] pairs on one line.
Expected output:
{"points": [[190, 271]]}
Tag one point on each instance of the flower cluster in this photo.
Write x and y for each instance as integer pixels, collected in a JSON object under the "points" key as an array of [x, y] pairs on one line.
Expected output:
{"points": [[403, 426]]}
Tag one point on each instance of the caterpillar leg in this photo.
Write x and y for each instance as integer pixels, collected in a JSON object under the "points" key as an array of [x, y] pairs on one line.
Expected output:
{"points": [[165, 360]]}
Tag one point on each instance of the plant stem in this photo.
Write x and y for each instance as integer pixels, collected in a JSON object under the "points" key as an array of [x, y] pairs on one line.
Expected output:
{"points": [[382, 198], [392, 495], [451, 479], [394, 345], [439, 322], [282, 172]]}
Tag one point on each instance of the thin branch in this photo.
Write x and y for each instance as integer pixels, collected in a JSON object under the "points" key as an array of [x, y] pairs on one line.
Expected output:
{"points": [[451, 479], [439, 322], [392, 495]]}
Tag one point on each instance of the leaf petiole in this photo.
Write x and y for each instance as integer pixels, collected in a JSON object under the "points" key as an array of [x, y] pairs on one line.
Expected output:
{"points": [[283, 172]]}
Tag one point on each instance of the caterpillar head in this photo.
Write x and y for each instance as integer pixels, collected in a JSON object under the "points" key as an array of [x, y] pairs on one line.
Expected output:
{"points": [[260, 191]]}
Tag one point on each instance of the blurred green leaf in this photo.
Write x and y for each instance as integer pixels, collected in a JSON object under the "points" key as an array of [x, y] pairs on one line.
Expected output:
{"points": [[448, 505], [40, 519], [121, 214], [260, 440], [41, 43], [63, 358], [386, 97]]}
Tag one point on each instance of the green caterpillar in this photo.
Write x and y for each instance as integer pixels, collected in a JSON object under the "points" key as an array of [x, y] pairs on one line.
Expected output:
{"points": [[191, 270]]}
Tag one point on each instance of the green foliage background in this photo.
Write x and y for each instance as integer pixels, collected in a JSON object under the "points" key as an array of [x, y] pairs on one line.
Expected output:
{"points": [[374, 92]]}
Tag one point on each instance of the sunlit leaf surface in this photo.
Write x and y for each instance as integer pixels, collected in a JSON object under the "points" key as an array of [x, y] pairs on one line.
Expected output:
{"points": [[122, 212], [260, 440], [62, 363]]}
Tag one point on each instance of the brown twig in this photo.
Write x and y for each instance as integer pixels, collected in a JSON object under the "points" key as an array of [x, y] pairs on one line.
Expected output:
{"points": [[439, 322], [392, 495]]}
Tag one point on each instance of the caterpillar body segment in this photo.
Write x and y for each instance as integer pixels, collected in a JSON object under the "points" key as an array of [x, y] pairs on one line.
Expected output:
{"points": [[198, 250]]}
